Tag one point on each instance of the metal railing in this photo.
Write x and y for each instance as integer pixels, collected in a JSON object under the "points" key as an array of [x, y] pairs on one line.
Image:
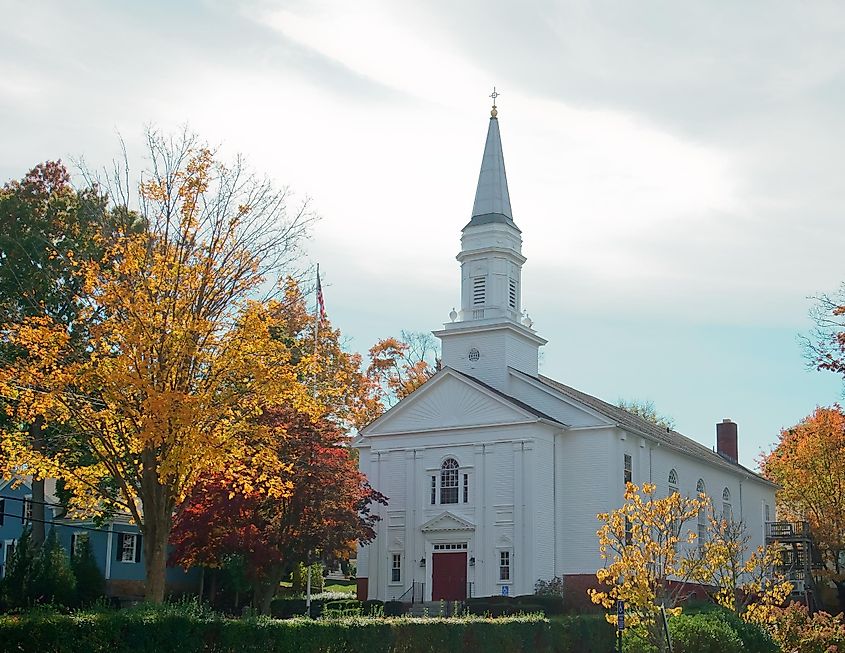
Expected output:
{"points": [[786, 530], [414, 594]]}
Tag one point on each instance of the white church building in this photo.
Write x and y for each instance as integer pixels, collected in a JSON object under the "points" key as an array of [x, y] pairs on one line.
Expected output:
{"points": [[494, 472]]}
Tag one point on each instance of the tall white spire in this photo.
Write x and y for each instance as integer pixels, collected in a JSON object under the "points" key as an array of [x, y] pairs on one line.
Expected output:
{"points": [[487, 336], [492, 200]]}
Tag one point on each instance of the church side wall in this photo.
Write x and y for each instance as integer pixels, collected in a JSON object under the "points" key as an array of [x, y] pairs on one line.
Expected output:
{"points": [[543, 475], [585, 488]]}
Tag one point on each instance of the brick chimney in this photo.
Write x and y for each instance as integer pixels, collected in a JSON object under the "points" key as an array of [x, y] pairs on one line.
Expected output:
{"points": [[726, 440]]}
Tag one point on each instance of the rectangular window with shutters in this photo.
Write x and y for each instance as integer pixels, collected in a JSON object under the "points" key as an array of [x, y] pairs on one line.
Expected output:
{"points": [[128, 547], [396, 568], [504, 565], [479, 291], [628, 474], [77, 542]]}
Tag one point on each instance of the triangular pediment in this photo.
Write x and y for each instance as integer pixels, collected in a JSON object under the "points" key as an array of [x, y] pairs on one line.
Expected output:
{"points": [[449, 400], [447, 521]]}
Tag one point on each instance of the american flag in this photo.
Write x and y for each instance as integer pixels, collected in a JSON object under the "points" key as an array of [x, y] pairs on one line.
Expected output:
{"points": [[321, 306]]}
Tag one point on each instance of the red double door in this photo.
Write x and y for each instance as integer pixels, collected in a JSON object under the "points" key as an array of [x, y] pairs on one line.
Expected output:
{"points": [[449, 576]]}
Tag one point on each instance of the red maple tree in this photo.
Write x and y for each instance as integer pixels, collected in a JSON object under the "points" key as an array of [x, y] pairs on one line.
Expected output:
{"points": [[326, 507]]}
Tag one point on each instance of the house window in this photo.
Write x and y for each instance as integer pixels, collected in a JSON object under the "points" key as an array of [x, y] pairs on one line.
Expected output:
{"points": [[512, 293], [767, 516], [628, 474], [396, 568], [2, 510], [26, 515], [629, 532], [128, 550], [726, 504], [433, 490], [7, 550], [77, 543], [504, 565], [673, 482], [479, 290], [449, 481], [466, 488]]}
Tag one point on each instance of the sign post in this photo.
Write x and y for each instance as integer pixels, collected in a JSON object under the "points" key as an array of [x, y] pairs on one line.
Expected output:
{"points": [[620, 624]]}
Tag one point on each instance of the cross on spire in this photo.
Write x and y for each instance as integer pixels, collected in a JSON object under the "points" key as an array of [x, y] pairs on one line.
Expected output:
{"points": [[494, 95]]}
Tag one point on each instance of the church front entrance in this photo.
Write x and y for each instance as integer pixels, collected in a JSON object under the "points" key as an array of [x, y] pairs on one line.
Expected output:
{"points": [[449, 576]]}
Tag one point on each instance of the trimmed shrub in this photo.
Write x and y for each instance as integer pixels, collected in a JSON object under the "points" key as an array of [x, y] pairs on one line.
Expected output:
{"points": [[53, 581], [394, 609], [372, 608], [702, 633]]}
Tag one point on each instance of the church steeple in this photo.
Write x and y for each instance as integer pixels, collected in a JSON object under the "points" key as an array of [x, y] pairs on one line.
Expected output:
{"points": [[487, 336], [492, 200]]}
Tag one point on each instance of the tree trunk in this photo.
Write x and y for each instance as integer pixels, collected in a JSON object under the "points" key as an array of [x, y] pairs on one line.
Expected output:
{"points": [[156, 535], [265, 591], [158, 520], [39, 513]]}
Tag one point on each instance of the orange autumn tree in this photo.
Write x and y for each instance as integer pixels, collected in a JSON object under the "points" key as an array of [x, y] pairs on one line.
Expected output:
{"points": [[398, 366], [809, 466], [182, 355]]}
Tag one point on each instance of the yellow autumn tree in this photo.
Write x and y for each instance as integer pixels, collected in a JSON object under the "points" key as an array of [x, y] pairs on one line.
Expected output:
{"points": [[650, 555], [185, 348], [745, 580]]}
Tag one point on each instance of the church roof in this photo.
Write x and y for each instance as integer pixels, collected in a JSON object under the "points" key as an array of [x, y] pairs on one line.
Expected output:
{"points": [[508, 398], [492, 200], [636, 423]]}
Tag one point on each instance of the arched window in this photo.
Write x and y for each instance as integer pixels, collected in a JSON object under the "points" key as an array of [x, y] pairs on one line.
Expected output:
{"points": [[726, 504], [702, 516], [449, 481], [673, 481]]}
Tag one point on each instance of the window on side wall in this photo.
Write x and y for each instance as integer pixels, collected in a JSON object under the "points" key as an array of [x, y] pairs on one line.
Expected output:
{"points": [[504, 565], [628, 466], [128, 547], [26, 515], [77, 542], [2, 510], [396, 568]]}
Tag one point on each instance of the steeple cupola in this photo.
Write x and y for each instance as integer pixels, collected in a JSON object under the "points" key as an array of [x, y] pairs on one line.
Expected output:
{"points": [[491, 243], [489, 334]]}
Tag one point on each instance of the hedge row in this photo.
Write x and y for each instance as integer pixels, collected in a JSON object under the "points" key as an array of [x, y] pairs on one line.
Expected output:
{"points": [[166, 631], [497, 606]]}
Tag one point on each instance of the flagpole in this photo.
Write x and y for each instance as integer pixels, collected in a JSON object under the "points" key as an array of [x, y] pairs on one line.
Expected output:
{"points": [[317, 315]]}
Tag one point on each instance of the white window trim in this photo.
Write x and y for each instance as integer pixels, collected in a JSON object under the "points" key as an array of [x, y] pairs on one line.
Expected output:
{"points": [[6, 556], [392, 567], [499, 580], [134, 538], [75, 538]]}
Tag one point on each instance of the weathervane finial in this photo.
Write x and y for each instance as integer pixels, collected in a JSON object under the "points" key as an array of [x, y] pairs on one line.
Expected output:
{"points": [[494, 95]]}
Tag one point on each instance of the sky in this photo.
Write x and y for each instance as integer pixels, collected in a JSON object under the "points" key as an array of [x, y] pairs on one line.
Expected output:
{"points": [[675, 168]]}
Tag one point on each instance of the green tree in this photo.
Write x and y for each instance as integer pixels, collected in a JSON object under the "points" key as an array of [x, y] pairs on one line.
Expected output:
{"points": [[48, 230], [53, 581], [90, 583], [647, 411], [16, 585]]}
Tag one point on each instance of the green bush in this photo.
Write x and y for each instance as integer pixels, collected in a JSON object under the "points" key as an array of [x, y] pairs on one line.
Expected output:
{"points": [[702, 633], [192, 629], [394, 609], [90, 583], [53, 581], [372, 608]]}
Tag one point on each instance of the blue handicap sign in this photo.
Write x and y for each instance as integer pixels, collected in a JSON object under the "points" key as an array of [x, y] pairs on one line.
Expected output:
{"points": [[620, 615], [505, 590]]}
